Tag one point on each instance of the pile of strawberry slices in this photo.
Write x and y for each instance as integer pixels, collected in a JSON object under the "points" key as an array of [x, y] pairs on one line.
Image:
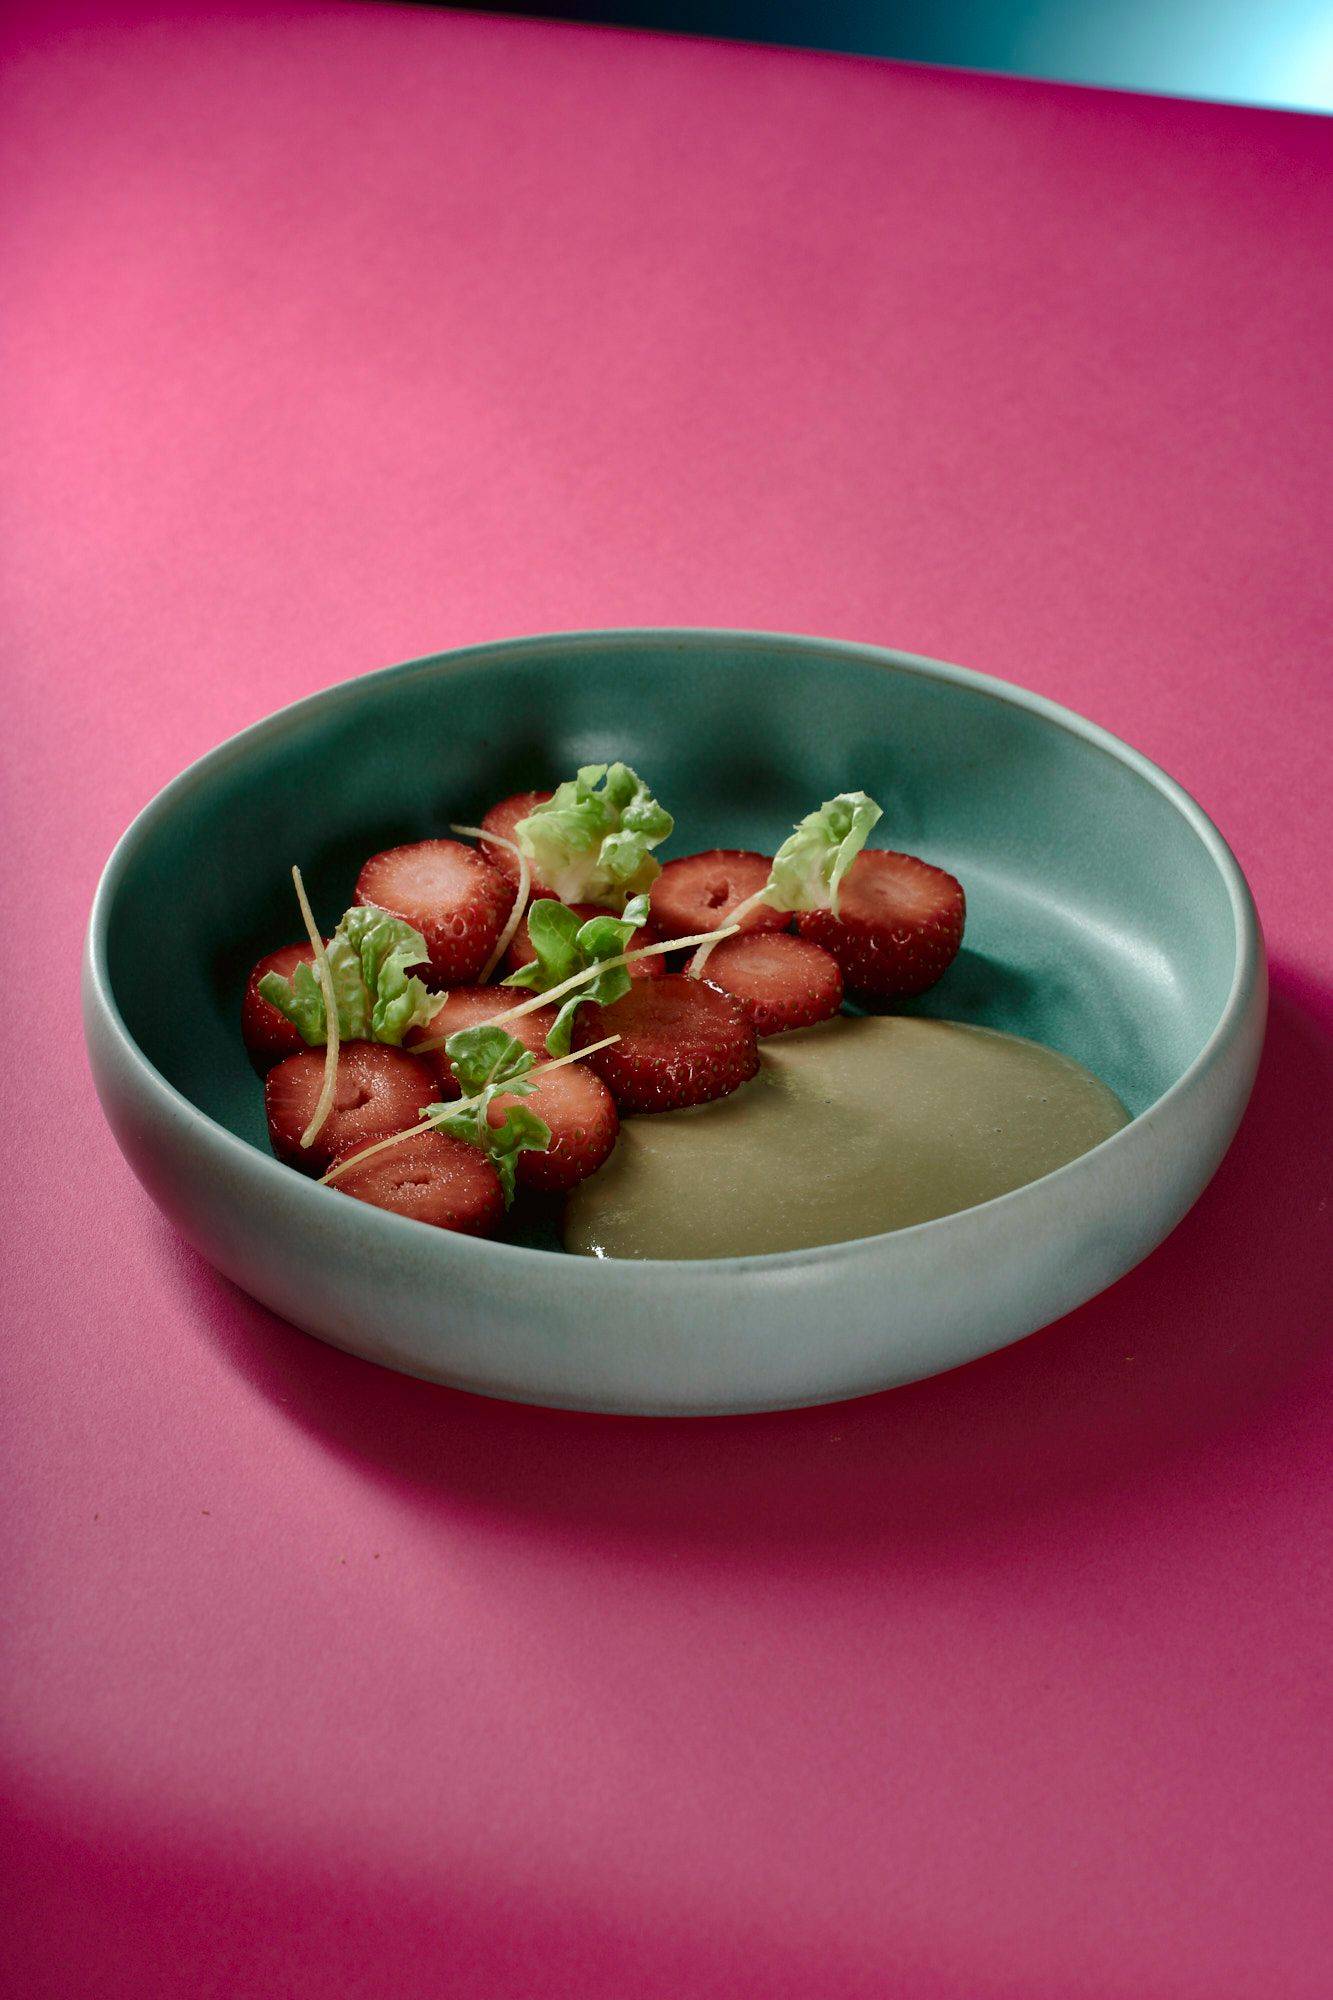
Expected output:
{"points": [[685, 1032]]}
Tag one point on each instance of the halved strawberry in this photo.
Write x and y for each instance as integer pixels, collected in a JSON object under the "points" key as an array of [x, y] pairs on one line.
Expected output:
{"points": [[699, 892], [782, 982], [520, 952], [469, 1007], [502, 819], [899, 927], [380, 1090], [431, 1178], [447, 892], [581, 1113], [681, 1042], [269, 1035]]}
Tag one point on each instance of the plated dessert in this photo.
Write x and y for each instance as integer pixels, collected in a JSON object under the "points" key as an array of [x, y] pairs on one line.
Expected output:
{"points": [[693, 1055]]}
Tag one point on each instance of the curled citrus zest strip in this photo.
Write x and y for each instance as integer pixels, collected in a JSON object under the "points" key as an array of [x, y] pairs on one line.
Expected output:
{"points": [[324, 974], [506, 937], [701, 957], [554, 993], [427, 1123]]}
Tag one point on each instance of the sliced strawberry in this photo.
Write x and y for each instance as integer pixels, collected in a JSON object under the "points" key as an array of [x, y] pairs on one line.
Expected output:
{"points": [[699, 892], [431, 1178], [380, 1090], [269, 1035], [520, 952], [782, 982], [575, 1103], [681, 1042], [581, 1113], [899, 926], [502, 819], [447, 892], [469, 1007]]}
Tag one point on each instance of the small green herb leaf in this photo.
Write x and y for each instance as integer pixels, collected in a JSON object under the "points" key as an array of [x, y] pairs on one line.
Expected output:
{"points": [[520, 1130], [809, 866], [564, 946], [590, 842], [484, 1057], [369, 955]]}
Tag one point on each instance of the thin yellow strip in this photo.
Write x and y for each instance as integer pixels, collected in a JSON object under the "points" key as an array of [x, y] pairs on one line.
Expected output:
{"points": [[324, 974]]}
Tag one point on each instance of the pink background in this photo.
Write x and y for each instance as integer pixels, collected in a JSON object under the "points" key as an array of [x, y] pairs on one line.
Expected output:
{"points": [[337, 334]]}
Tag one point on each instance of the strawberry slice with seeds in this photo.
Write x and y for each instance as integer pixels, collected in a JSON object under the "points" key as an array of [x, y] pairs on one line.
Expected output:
{"points": [[581, 1113], [431, 1178], [699, 891], [269, 1035], [575, 1103], [447, 892], [469, 1007], [520, 952], [380, 1090], [899, 926], [502, 819], [781, 981], [681, 1042]]}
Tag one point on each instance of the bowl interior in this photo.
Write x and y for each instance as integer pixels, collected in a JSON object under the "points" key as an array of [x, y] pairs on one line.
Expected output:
{"points": [[1098, 920]]}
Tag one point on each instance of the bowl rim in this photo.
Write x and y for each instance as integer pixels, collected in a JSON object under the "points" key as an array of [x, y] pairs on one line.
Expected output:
{"points": [[1247, 979]]}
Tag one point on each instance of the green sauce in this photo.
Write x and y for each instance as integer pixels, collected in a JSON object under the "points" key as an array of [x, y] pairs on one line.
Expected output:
{"points": [[853, 1127]]}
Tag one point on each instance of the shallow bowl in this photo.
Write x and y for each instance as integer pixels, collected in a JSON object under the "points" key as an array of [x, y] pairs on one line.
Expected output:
{"points": [[1106, 918]]}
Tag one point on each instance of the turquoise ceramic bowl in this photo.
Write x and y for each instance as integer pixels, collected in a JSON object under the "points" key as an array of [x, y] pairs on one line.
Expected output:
{"points": [[1106, 918]]}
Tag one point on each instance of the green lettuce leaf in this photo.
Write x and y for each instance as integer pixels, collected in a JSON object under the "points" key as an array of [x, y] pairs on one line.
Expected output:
{"points": [[590, 842], [488, 1063], [809, 866], [565, 945], [369, 957]]}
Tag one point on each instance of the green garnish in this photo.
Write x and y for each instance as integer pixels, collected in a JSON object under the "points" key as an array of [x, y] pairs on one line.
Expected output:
{"points": [[809, 866], [565, 946], [590, 841], [368, 957], [488, 1063]]}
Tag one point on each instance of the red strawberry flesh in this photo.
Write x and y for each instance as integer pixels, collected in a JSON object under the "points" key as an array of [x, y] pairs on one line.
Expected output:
{"points": [[699, 891], [502, 819], [379, 1090], [432, 1178], [899, 926], [447, 892], [520, 952], [681, 1042], [269, 1035], [581, 1113], [471, 1007], [782, 982]]}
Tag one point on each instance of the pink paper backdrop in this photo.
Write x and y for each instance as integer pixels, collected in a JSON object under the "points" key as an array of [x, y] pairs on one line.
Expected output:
{"points": [[337, 334]]}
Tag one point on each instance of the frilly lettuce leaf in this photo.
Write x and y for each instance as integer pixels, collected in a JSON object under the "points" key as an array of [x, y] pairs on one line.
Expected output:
{"points": [[590, 842], [369, 956], [809, 866], [489, 1063], [564, 945]]}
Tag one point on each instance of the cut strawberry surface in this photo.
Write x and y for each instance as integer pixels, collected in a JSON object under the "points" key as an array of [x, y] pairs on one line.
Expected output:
{"points": [[431, 1178], [781, 981], [520, 952], [699, 892], [447, 892], [380, 1090], [681, 1042], [502, 819], [899, 926], [469, 1007], [269, 1035], [581, 1113]]}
